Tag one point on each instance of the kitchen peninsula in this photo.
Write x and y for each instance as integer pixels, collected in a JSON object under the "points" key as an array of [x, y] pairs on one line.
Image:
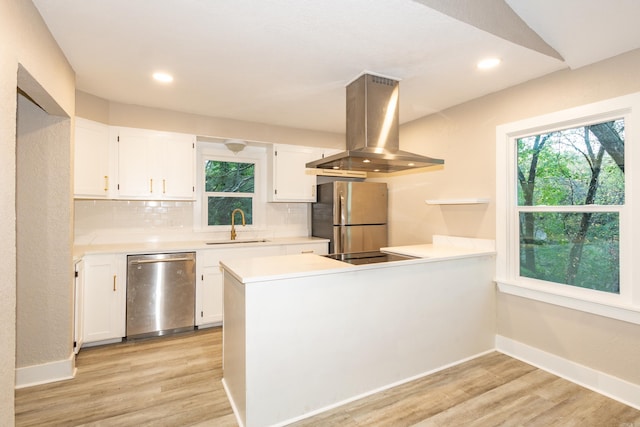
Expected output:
{"points": [[305, 333]]}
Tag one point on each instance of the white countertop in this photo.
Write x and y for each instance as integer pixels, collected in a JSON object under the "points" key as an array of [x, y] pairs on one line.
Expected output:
{"points": [[262, 269], [187, 245], [436, 251], [281, 267]]}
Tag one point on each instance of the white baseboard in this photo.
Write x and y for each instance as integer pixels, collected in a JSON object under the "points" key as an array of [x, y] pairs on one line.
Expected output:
{"points": [[46, 373], [600, 382], [233, 404]]}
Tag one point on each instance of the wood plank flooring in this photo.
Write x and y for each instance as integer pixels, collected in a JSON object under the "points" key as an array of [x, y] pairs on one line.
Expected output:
{"points": [[176, 381]]}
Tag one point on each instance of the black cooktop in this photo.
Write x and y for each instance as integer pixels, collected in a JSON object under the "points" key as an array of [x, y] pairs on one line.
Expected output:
{"points": [[371, 257]]}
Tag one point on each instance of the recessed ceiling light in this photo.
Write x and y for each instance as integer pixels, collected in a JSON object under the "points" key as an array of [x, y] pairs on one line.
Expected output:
{"points": [[163, 77], [488, 63]]}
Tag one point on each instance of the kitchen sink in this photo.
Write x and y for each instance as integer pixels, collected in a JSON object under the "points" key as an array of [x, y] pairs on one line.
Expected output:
{"points": [[231, 242]]}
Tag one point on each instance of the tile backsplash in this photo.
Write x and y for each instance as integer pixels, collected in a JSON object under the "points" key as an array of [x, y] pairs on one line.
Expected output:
{"points": [[114, 221]]}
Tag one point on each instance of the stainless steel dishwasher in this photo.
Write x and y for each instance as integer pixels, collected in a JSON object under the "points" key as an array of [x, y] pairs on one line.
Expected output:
{"points": [[160, 293]]}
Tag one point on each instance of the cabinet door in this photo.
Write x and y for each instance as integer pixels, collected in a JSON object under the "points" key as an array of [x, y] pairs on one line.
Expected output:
{"points": [[176, 167], [208, 287], [155, 165], [290, 180], [104, 298], [210, 309], [92, 175], [209, 284], [134, 176], [78, 304]]}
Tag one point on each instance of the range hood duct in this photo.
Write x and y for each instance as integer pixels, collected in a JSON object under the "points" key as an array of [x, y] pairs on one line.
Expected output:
{"points": [[373, 131]]}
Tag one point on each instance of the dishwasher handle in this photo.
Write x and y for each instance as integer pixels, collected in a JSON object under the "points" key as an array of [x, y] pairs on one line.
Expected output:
{"points": [[149, 261]]}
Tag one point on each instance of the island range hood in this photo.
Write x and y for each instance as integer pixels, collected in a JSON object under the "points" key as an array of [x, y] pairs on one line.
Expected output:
{"points": [[373, 131]]}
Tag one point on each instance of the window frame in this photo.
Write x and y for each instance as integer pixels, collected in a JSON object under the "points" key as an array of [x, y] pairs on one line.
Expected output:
{"points": [[217, 151], [624, 305]]}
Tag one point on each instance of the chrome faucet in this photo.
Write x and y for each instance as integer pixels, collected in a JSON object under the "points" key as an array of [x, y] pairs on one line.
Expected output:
{"points": [[233, 228]]}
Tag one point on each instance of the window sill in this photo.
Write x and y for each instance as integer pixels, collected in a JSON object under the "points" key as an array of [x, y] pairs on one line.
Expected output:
{"points": [[626, 313]]}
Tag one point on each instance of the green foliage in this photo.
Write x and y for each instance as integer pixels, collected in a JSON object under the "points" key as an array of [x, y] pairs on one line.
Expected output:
{"points": [[220, 208], [556, 232], [564, 169], [572, 167], [229, 177], [230, 186]]}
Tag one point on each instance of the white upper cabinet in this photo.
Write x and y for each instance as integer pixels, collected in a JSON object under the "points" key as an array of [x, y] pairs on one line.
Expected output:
{"points": [[155, 165], [289, 179], [93, 167]]}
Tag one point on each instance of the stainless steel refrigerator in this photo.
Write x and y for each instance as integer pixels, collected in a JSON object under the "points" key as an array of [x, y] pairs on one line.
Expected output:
{"points": [[352, 215]]}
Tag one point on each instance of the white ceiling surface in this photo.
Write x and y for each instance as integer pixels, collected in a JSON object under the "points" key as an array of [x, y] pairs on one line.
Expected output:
{"points": [[287, 62]]}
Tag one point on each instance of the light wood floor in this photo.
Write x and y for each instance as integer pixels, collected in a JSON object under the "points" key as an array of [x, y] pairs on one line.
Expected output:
{"points": [[175, 381]]}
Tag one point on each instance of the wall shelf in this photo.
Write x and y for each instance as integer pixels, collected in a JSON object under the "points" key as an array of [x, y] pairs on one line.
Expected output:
{"points": [[466, 201]]}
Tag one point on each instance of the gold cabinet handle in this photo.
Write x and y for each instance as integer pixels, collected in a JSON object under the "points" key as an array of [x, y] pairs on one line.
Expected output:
{"points": [[106, 183], [114, 282], [151, 186], [164, 186]]}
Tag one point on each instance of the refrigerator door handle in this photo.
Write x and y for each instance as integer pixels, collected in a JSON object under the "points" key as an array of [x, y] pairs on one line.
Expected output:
{"points": [[340, 245]]}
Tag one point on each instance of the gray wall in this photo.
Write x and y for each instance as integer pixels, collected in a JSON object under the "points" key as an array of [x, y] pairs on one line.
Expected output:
{"points": [[44, 312], [29, 59]]}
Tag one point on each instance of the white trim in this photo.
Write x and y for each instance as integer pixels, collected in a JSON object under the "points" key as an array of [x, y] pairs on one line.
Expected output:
{"points": [[29, 376], [599, 382], [623, 306], [626, 313], [234, 407]]}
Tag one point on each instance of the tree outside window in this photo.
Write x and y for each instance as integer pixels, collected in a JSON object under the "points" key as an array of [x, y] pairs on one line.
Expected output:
{"points": [[228, 186], [570, 189]]}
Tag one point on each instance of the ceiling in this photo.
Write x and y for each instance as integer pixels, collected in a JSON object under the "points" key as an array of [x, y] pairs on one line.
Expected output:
{"points": [[287, 62]]}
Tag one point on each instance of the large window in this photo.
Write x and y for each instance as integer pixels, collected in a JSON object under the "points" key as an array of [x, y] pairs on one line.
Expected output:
{"points": [[570, 189], [228, 186], [565, 231]]}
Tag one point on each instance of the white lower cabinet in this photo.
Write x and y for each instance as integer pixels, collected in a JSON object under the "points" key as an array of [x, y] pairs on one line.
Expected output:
{"points": [[208, 288], [101, 292], [104, 298], [78, 304], [209, 278], [209, 275]]}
